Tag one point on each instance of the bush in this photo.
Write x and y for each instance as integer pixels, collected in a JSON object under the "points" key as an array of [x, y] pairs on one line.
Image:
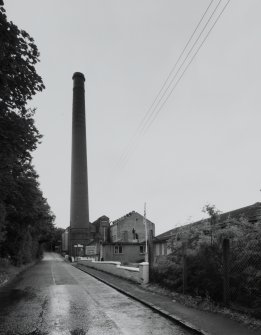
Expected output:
{"points": [[4, 262], [205, 272], [168, 275]]}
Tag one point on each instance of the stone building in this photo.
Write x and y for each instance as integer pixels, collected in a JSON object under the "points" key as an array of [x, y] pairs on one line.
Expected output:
{"points": [[83, 238], [130, 228], [123, 240], [124, 252], [99, 232], [127, 239]]}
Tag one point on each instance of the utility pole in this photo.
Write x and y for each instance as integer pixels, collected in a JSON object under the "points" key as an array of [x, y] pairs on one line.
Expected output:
{"points": [[146, 234]]}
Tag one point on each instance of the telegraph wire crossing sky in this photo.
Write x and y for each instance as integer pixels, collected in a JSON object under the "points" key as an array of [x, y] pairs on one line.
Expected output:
{"points": [[168, 87], [201, 144]]}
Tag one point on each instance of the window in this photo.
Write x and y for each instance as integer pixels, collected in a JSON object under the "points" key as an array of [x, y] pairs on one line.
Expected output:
{"points": [[165, 248], [142, 249], [157, 249], [118, 249]]}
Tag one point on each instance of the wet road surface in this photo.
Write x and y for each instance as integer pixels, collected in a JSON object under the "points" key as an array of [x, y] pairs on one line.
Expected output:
{"points": [[54, 298]]}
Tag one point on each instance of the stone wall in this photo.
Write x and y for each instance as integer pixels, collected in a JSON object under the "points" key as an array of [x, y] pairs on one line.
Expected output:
{"points": [[122, 228], [130, 253], [138, 275]]}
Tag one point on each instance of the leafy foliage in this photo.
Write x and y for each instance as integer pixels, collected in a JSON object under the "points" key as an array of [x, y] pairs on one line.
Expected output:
{"points": [[18, 56], [200, 247], [26, 220], [245, 271]]}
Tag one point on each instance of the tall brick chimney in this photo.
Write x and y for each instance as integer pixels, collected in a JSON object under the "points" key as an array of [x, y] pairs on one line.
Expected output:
{"points": [[79, 216]]}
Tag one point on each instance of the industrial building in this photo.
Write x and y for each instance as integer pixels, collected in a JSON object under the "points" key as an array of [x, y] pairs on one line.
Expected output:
{"points": [[130, 228], [122, 240], [252, 213]]}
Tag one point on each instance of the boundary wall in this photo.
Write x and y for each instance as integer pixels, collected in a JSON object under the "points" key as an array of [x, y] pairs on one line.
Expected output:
{"points": [[139, 275]]}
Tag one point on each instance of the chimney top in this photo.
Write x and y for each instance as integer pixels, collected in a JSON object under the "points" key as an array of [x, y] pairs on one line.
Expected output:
{"points": [[79, 75]]}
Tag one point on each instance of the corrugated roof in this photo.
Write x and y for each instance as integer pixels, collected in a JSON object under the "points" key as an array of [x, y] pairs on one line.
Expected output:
{"points": [[252, 212]]}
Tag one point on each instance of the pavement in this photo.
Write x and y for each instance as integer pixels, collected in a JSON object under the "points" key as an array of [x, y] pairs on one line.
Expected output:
{"points": [[55, 298], [200, 322]]}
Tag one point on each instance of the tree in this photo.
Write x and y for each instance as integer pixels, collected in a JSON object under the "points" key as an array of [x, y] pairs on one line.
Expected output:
{"points": [[56, 239], [25, 216], [18, 83], [18, 138], [214, 215], [204, 259], [29, 220], [19, 80]]}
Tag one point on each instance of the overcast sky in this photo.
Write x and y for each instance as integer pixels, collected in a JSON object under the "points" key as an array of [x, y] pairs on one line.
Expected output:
{"points": [[204, 145]]}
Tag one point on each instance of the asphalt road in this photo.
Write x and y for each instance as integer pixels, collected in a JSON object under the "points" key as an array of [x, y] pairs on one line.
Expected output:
{"points": [[55, 298]]}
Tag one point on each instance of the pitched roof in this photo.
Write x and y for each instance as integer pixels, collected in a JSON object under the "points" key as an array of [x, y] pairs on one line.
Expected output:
{"points": [[103, 217], [124, 243], [252, 213], [128, 215]]}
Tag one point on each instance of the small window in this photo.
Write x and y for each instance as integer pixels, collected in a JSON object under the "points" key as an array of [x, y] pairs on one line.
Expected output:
{"points": [[142, 249], [118, 249]]}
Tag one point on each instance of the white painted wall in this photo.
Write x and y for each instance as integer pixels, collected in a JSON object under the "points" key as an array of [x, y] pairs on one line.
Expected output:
{"points": [[138, 275]]}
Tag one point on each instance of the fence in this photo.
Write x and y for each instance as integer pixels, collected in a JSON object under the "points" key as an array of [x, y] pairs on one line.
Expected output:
{"points": [[227, 272], [245, 275]]}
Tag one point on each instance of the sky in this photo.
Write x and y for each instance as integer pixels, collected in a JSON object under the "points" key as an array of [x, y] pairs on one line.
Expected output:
{"points": [[204, 145]]}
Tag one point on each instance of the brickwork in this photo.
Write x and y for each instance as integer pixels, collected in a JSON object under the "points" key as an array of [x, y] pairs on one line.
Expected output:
{"points": [[130, 228], [79, 213], [128, 253]]}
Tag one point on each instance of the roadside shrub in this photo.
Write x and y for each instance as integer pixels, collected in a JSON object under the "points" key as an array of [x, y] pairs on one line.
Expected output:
{"points": [[168, 275], [204, 272], [4, 262]]}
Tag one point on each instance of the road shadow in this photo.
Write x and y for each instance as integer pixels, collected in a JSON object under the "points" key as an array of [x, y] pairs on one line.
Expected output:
{"points": [[78, 331]]}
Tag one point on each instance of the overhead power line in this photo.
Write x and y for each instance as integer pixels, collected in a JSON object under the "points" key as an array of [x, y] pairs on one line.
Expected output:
{"points": [[151, 114], [187, 66], [128, 146], [177, 61]]}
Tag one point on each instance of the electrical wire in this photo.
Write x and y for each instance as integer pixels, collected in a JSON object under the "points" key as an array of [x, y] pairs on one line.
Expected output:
{"points": [[155, 112], [128, 147], [187, 66], [185, 59]]}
